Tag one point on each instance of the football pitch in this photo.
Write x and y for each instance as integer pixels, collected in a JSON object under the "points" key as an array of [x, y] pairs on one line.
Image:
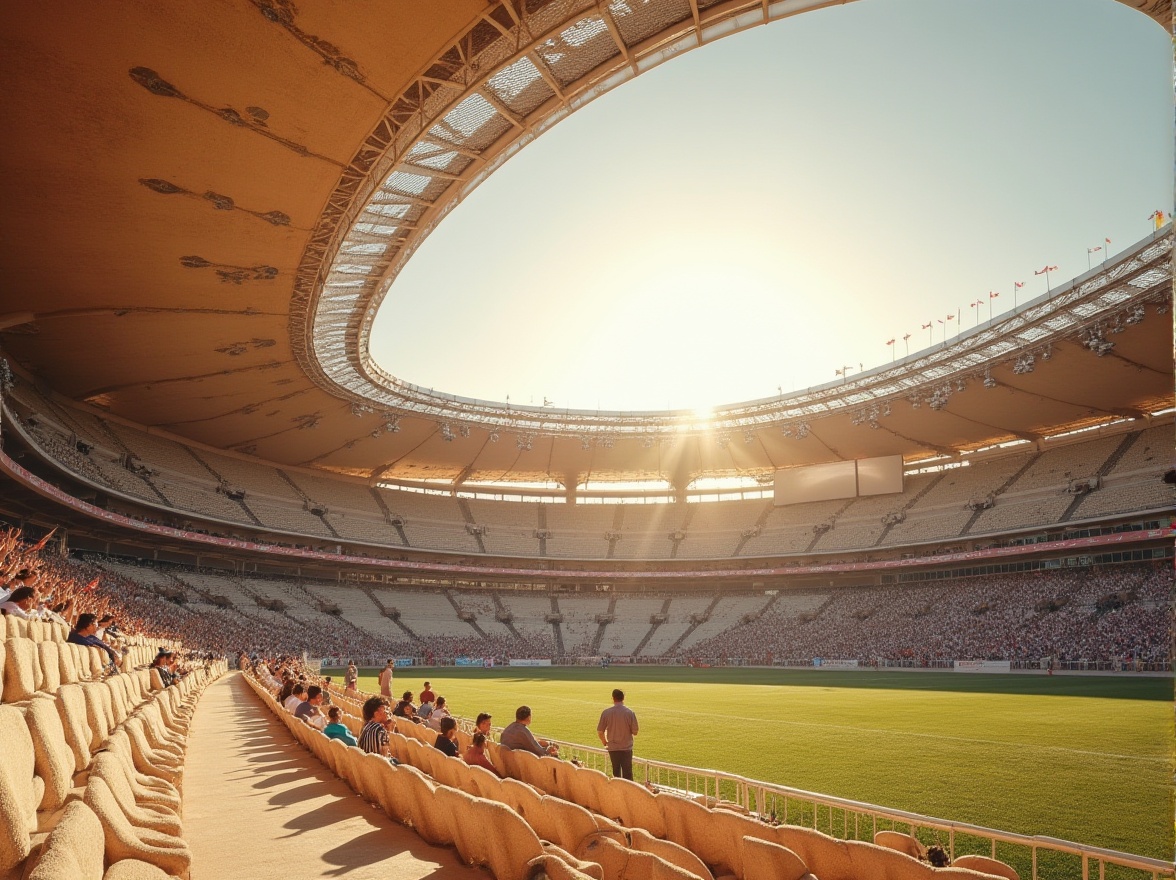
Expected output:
{"points": [[1088, 758]]}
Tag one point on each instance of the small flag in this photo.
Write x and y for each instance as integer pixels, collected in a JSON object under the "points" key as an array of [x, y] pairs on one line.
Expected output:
{"points": [[992, 294], [907, 336], [90, 587], [890, 342], [928, 326], [1107, 240], [951, 317], [40, 545], [1094, 250], [1046, 269], [837, 372], [1019, 284]]}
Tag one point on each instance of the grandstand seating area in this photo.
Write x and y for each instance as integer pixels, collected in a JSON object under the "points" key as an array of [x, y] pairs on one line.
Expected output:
{"points": [[92, 761], [994, 617], [1025, 489]]}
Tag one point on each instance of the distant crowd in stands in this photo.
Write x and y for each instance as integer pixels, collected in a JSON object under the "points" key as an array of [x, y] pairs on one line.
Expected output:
{"points": [[1027, 616], [1022, 617]]}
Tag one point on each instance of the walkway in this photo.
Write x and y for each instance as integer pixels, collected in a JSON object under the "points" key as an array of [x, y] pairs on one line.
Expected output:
{"points": [[257, 805]]}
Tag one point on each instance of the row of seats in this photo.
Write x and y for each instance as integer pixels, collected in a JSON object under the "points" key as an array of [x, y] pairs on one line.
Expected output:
{"points": [[588, 823], [91, 766], [35, 657]]}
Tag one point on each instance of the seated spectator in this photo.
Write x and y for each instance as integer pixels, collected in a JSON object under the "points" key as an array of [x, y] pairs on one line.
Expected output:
{"points": [[25, 577], [424, 710], [427, 695], [326, 686], [373, 738], [288, 683], [447, 741], [297, 695], [482, 724], [404, 708], [22, 603], [336, 729], [475, 755], [161, 663], [438, 714], [518, 736], [83, 634], [308, 709]]}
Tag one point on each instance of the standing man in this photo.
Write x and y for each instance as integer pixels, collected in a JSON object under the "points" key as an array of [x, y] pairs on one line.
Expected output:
{"points": [[386, 679], [351, 677], [617, 727]]}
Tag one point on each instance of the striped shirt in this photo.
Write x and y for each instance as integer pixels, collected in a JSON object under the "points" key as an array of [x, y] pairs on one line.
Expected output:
{"points": [[373, 738]]}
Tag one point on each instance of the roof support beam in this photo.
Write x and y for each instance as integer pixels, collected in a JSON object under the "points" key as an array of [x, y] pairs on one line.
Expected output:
{"points": [[551, 81], [502, 110], [615, 32]]}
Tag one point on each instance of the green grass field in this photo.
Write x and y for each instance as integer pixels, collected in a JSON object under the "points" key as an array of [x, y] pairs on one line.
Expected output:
{"points": [[1088, 759]]}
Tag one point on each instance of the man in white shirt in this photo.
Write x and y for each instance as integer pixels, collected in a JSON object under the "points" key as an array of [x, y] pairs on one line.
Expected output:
{"points": [[23, 578], [295, 699], [22, 603]]}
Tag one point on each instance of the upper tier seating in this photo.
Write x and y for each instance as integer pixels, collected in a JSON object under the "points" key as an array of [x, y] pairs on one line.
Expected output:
{"points": [[1026, 489]]}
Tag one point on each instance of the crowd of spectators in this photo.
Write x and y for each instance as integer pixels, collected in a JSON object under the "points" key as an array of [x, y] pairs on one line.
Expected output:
{"points": [[1106, 614], [1060, 614]]}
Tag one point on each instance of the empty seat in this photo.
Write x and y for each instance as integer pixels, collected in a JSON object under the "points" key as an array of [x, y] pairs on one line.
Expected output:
{"points": [[20, 789], [21, 670], [54, 760]]}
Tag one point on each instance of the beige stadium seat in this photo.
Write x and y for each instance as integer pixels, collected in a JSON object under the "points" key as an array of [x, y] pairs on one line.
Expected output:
{"points": [[49, 657], [110, 763], [765, 860], [490, 834], [985, 865], [54, 759], [902, 842], [17, 627], [22, 671], [20, 790], [618, 860], [67, 663], [126, 841], [75, 847], [120, 744], [108, 768], [99, 712], [71, 706], [3, 665], [37, 630]]}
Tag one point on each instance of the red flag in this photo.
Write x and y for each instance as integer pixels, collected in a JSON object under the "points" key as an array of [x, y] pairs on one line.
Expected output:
{"points": [[90, 587], [993, 294], [951, 317], [1107, 240], [40, 545], [906, 336], [1046, 269], [1094, 250], [928, 326], [1019, 284], [890, 342]]}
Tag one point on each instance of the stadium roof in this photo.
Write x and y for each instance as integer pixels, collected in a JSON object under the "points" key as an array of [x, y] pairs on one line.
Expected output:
{"points": [[203, 213]]}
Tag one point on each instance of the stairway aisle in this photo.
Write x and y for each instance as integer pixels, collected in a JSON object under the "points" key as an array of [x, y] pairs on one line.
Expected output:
{"points": [[257, 805]]}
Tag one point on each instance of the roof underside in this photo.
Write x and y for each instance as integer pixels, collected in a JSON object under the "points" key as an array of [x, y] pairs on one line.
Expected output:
{"points": [[179, 185]]}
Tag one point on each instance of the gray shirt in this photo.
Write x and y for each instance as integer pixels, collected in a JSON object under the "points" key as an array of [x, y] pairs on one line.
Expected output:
{"points": [[518, 736], [619, 725]]}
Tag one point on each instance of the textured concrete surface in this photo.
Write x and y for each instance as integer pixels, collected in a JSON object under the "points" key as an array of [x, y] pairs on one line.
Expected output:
{"points": [[257, 805]]}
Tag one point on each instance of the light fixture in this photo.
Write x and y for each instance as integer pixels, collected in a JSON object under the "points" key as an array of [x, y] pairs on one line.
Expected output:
{"points": [[463, 430], [802, 430], [989, 382], [493, 436], [446, 432], [748, 437], [392, 425]]}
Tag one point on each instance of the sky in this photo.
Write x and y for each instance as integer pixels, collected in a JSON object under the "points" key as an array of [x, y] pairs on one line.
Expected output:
{"points": [[754, 215]]}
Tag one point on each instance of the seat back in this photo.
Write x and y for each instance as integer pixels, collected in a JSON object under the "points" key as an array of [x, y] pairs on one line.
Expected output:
{"points": [[18, 794], [54, 759], [75, 848], [22, 671]]}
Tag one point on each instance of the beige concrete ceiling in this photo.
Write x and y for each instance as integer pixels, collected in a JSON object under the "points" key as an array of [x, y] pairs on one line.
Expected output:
{"points": [[166, 164]]}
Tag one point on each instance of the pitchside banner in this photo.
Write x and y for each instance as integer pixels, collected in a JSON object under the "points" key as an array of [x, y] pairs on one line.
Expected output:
{"points": [[530, 662], [467, 661], [983, 666], [403, 661], [823, 663]]}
